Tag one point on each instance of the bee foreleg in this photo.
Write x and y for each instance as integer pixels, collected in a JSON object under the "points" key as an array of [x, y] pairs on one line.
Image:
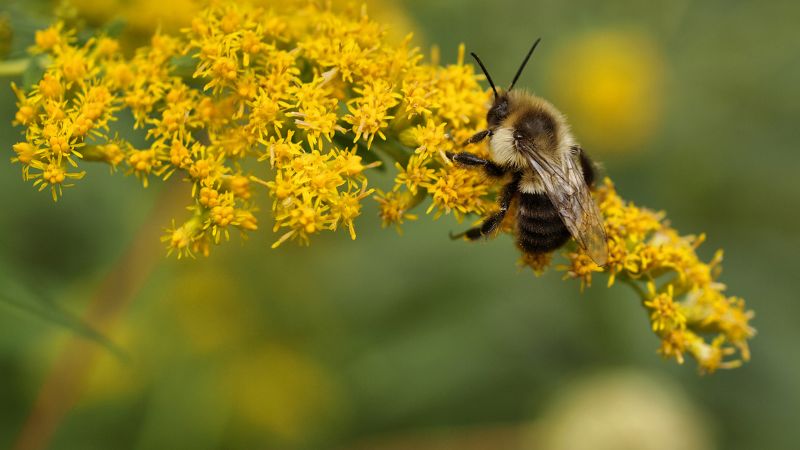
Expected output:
{"points": [[477, 137], [491, 223], [472, 160]]}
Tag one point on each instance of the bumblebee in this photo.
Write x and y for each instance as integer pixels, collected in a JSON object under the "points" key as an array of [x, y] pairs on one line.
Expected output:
{"points": [[530, 142]]}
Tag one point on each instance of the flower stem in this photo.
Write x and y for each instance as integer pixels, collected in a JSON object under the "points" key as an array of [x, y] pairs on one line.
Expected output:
{"points": [[64, 383], [14, 67], [635, 286]]}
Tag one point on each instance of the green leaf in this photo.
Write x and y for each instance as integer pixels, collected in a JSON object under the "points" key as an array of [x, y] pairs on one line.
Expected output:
{"points": [[24, 299]]}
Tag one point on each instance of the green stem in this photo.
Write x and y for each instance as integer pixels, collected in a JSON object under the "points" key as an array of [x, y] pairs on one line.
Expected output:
{"points": [[14, 67], [635, 286]]}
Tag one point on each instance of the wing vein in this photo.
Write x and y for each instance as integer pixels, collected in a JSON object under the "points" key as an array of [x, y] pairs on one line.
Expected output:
{"points": [[565, 187]]}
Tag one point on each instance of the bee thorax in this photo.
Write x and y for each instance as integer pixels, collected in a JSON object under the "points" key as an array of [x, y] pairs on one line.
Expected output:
{"points": [[503, 151]]}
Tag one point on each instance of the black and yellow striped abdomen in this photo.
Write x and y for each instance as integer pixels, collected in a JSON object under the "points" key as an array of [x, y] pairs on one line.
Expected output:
{"points": [[539, 227]]}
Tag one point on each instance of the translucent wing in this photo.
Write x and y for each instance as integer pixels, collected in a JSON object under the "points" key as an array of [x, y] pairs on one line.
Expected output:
{"points": [[564, 185]]}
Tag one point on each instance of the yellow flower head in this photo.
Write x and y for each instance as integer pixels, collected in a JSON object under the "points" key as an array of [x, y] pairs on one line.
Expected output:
{"points": [[394, 208], [665, 314]]}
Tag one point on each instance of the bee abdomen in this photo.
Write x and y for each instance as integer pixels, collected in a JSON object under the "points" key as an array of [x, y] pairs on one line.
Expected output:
{"points": [[539, 227]]}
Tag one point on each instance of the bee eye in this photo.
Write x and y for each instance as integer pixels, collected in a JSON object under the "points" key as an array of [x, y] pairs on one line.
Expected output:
{"points": [[518, 135], [498, 112]]}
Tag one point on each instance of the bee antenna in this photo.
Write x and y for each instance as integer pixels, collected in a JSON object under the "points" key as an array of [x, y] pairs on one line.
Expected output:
{"points": [[485, 72], [522, 66]]}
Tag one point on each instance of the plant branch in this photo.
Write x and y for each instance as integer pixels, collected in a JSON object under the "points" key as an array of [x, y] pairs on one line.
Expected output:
{"points": [[64, 384], [635, 286], [14, 67]]}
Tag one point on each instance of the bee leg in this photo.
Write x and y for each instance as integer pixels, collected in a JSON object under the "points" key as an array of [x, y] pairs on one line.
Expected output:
{"points": [[477, 137], [472, 234], [472, 160], [491, 223]]}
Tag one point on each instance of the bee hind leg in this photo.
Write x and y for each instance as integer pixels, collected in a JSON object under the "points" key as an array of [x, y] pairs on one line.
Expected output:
{"points": [[487, 227], [491, 223], [473, 234]]}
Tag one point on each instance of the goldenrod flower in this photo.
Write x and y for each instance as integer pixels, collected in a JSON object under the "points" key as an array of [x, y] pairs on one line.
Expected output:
{"points": [[665, 312], [394, 208], [689, 304], [301, 104]]}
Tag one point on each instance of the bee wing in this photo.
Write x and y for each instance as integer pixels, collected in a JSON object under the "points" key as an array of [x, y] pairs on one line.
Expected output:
{"points": [[564, 185]]}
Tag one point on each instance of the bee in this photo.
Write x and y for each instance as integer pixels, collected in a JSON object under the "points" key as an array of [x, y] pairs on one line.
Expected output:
{"points": [[551, 175]]}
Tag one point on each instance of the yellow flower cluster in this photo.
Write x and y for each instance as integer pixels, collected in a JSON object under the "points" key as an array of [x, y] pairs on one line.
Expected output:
{"points": [[308, 90], [303, 101], [689, 304], [314, 191]]}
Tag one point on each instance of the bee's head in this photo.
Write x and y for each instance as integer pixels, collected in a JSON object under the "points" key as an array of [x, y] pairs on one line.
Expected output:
{"points": [[501, 107], [499, 110], [515, 122], [526, 120]]}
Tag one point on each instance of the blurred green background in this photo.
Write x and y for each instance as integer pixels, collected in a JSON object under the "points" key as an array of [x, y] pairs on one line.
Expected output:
{"points": [[414, 341]]}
